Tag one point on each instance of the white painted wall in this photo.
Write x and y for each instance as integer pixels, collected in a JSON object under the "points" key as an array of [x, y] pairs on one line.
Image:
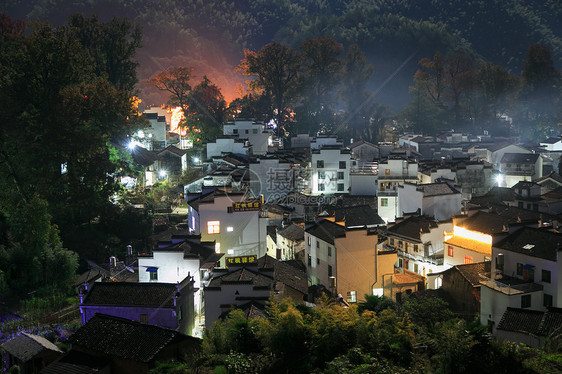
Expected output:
{"points": [[331, 180], [225, 145]]}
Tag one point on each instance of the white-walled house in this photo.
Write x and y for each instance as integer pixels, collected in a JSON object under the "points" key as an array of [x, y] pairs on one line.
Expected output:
{"points": [[330, 169], [552, 144], [155, 135], [259, 137], [271, 178], [438, 200], [290, 243], [325, 140], [236, 232], [223, 145], [419, 242], [392, 173], [525, 274], [516, 167]]}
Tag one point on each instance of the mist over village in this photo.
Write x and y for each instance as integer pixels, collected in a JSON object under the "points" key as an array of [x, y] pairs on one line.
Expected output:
{"points": [[280, 186]]}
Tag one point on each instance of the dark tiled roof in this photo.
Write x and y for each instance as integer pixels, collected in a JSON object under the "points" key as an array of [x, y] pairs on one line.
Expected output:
{"points": [[293, 232], [272, 232], [174, 150], [253, 309], [326, 230], [524, 185], [552, 175], [143, 156], [551, 141], [356, 216], [471, 272], [412, 227], [551, 322], [520, 158], [75, 362], [533, 242], [521, 320], [243, 276], [488, 223], [26, 346], [132, 294], [437, 189], [119, 337]]}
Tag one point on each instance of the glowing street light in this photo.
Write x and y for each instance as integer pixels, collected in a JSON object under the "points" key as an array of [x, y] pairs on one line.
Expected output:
{"points": [[162, 173]]}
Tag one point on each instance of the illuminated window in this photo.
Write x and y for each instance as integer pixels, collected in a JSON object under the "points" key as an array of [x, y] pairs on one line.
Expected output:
{"points": [[217, 247], [352, 297], [213, 227], [384, 202], [387, 172], [229, 229], [450, 251], [467, 260], [309, 241]]}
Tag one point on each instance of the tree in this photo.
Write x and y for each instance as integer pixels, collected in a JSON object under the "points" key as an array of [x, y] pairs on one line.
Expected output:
{"points": [[62, 115], [459, 74], [353, 92], [276, 69], [322, 68], [207, 109]]}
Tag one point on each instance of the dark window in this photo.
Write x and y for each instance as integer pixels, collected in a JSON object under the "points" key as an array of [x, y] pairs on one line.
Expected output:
{"points": [[520, 205], [342, 165], [329, 270], [153, 276], [519, 268], [246, 131], [340, 174], [535, 207], [340, 186], [545, 276], [309, 260], [416, 249], [392, 242], [321, 175], [320, 164], [235, 131], [329, 251], [526, 301], [547, 300], [143, 318], [254, 131], [317, 261], [321, 187], [317, 244]]}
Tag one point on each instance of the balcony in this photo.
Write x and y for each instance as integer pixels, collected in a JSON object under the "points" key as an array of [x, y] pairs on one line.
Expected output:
{"points": [[509, 285]]}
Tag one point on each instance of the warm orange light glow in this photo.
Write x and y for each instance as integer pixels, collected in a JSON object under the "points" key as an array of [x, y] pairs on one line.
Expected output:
{"points": [[472, 235], [175, 120]]}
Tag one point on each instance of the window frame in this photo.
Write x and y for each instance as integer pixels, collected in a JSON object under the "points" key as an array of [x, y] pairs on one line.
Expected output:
{"points": [[213, 227]]}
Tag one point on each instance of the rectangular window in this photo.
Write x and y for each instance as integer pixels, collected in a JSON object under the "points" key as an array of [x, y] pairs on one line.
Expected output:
{"points": [[329, 270], [392, 242], [416, 248], [450, 250], [519, 268], [387, 172], [340, 186], [321, 187], [400, 263], [545, 277], [317, 261], [213, 227], [342, 165], [254, 131], [246, 131], [153, 275], [309, 260], [526, 301], [340, 175], [547, 300], [320, 164], [352, 297], [309, 241], [321, 175], [467, 259], [143, 318], [384, 202], [329, 251], [400, 244], [416, 268], [317, 244], [235, 131]]}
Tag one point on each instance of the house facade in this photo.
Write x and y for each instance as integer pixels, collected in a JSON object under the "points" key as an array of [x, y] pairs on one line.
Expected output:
{"points": [[330, 167]]}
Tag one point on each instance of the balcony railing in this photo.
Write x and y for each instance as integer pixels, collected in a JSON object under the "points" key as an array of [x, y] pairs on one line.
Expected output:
{"points": [[510, 286]]}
